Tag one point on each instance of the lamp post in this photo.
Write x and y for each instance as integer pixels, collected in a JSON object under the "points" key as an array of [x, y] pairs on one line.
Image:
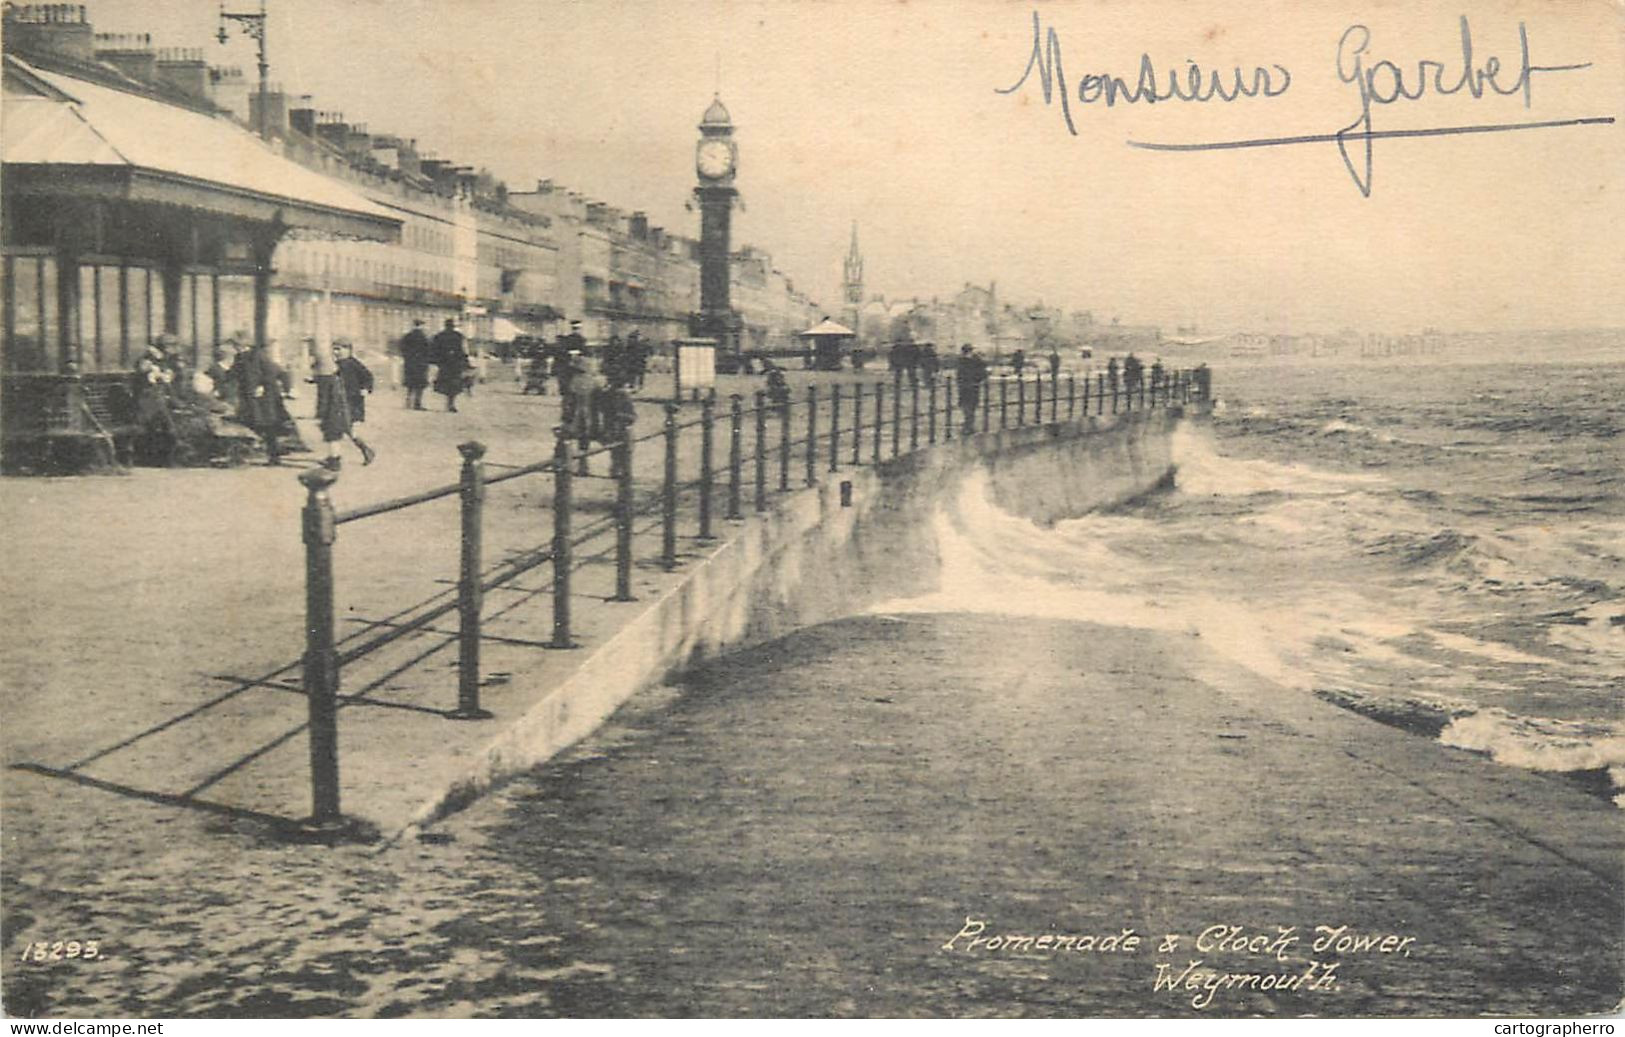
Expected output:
{"points": [[253, 23]]}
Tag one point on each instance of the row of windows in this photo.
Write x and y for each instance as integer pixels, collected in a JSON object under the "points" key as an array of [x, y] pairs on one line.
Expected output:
{"points": [[347, 269], [120, 309]]}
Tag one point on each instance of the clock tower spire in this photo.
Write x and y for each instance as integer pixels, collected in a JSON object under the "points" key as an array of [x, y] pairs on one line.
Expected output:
{"points": [[716, 159], [852, 282]]}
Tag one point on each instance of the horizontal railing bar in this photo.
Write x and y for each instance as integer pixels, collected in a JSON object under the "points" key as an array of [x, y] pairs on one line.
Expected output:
{"points": [[398, 503]]}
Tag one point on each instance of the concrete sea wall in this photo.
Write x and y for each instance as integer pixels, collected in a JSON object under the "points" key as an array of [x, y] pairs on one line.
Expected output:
{"points": [[815, 558]]}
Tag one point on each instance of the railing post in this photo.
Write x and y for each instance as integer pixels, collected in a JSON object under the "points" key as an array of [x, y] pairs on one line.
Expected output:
{"points": [[668, 494], [1072, 395], [321, 659], [931, 410], [562, 548], [736, 449], [1100, 401], [913, 415], [835, 428], [1055, 395], [1143, 380], [470, 595], [880, 417], [985, 391], [1004, 404], [812, 435], [857, 424], [784, 446], [620, 460], [1021, 399], [897, 415], [949, 418], [708, 421], [1038, 398], [761, 451]]}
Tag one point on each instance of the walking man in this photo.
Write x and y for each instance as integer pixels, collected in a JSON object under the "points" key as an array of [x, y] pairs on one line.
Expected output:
{"points": [[972, 376], [450, 357], [416, 354]]}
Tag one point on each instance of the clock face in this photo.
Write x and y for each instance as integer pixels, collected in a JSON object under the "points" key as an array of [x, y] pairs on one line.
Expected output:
{"points": [[715, 159]]}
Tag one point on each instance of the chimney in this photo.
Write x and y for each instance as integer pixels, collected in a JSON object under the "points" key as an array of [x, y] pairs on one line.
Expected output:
{"points": [[184, 69], [275, 104], [56, 29], [331, 127], [303, 120], [639, 226], [129, 52], [229, 90]]}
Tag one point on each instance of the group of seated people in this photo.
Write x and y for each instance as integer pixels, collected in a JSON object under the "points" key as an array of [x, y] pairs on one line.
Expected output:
{"points": [[185, 415]]}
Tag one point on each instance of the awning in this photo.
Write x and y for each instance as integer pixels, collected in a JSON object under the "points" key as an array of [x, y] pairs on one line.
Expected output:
{"points": [[77, 137], [826, 327]]}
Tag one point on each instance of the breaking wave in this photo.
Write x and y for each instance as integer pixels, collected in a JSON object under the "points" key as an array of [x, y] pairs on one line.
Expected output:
{"points": [[1311, 579]]}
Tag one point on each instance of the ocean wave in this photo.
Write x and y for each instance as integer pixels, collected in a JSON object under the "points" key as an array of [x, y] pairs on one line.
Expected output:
{"points": [[1540, 743], [1205, 472]]}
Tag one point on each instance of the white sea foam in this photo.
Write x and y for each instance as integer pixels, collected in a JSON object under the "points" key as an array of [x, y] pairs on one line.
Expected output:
{"points": [[1603, 631], [1203, 472], [1307, 627], [1540, 744]]}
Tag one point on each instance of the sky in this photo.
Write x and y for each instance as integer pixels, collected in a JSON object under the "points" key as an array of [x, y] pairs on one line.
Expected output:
{"points": [[891, 114]]}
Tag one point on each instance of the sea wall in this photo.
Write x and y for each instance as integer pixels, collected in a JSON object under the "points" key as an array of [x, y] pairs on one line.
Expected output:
{"points": [[860, 536]]}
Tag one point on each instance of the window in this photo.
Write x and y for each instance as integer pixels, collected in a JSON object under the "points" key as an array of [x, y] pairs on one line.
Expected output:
{"points": [[112, 349], [26, 312], [138, 321]]}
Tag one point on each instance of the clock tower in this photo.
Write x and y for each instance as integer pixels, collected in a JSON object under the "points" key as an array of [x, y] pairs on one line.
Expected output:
{"points": [[716, 159]]}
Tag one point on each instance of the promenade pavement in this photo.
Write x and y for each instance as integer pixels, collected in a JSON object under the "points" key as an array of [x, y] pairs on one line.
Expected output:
{"points": [[155, 621]]}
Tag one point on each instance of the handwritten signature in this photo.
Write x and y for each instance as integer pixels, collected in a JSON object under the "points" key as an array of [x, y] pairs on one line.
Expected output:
{"points": [[1381, 82]]}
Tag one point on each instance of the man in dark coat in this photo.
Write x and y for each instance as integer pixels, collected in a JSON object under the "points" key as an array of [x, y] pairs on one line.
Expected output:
{"points": [[259, 381], [972, 375], [416, 355], [567, 352], [451, 361]]}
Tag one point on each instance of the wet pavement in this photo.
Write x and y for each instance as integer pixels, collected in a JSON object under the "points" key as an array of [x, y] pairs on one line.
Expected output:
{"points": [[799, 829]]}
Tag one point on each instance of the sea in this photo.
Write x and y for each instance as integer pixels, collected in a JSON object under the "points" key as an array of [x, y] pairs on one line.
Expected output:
{"points": [[1436, 542]]}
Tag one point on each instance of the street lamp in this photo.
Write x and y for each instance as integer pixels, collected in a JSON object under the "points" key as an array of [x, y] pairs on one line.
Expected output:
{"points": [[253, 23]]}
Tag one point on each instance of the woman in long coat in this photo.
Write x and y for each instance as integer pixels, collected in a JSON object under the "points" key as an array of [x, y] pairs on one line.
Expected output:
{"points": [[259, 382]]}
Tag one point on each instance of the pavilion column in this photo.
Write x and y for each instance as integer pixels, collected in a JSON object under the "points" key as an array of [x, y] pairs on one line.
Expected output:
{"points": [[263, 245]]}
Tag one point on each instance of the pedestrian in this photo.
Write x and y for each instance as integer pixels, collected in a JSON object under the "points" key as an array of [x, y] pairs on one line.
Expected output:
{"points": [[778, 389], [1111, 375], [1054, 364], [972, 376], [1203, 378], [332, 405], [538, 361], [260, 384], [416, 355], [1018, 361], [587, 385], [154, 384], [357, 382], [637, 357], [219, 373], [450, 356]]}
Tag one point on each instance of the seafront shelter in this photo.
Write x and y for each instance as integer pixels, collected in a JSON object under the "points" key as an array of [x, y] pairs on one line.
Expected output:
{"points": [[128, 215]]}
